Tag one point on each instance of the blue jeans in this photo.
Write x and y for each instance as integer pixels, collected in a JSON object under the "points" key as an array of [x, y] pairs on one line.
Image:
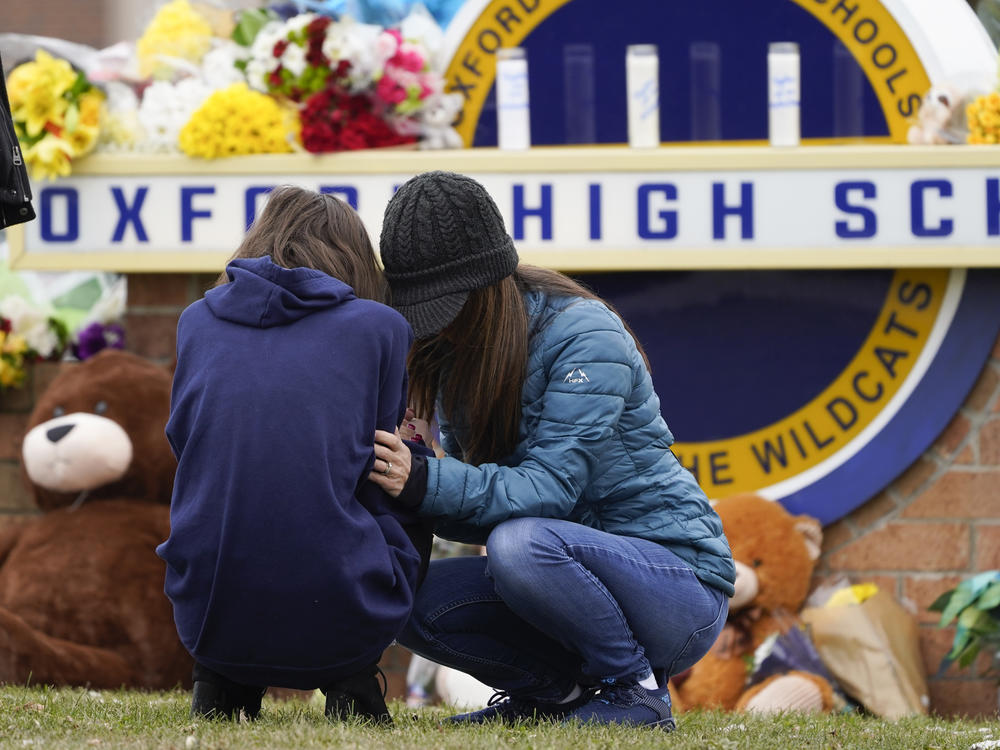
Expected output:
{"points": [[555, 604]]}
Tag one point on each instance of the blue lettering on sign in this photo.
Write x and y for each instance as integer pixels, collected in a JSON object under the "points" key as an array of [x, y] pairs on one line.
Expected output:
{"points": [[543, 212], [128, 214], [717, 466], [993, 206], [743, 209], [188, 212], [349, 193], [869, 222], [869, 396], [250, 201], [72, 233], [917, 224], [669, 218], [595, 211]]}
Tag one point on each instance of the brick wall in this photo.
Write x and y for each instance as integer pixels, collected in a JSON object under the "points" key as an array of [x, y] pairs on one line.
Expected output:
{"points": [[83, 22], [938, 523]]}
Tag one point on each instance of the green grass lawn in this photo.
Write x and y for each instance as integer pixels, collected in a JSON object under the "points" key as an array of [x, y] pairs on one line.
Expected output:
{"points": [[76, 718]]}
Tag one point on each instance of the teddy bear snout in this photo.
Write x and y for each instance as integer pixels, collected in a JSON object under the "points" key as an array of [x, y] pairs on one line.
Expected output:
{"points": [[747, 585], [58, 433], [75, 452]]}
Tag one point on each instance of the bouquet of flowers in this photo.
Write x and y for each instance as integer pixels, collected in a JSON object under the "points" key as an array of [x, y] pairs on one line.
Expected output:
{"points": [[357, 85], [27, 334], [237, 121], [176, 32], [38, 312], [983, 115], [56, 112], [12, 352], [212, 83]]}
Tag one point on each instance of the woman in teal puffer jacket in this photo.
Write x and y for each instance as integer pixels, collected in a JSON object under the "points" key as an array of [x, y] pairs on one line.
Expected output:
{"points": [[607, 570]]}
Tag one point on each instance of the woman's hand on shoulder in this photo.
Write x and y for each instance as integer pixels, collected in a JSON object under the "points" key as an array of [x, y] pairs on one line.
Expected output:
{"points": [[392, 462]]}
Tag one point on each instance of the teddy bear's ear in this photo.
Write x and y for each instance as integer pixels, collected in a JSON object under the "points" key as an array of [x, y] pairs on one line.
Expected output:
{"points": [[812, 533]]}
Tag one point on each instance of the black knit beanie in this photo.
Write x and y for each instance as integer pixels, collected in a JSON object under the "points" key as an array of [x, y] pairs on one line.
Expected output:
{"points": [[442, 237]]}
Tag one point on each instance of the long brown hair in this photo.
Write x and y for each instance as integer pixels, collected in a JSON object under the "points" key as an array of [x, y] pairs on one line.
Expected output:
{"points": [[478, 362], [302, 228]]}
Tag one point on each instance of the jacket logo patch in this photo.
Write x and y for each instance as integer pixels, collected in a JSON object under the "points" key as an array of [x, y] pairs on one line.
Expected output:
{"points": [[576, 375]]}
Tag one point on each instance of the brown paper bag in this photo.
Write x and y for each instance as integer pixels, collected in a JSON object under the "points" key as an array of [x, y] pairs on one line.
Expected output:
{"points": [[873, 651]]}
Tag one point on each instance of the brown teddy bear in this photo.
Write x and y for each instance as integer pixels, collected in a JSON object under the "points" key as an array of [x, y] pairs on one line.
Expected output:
{"points": [[81, 588], [775, 553]]}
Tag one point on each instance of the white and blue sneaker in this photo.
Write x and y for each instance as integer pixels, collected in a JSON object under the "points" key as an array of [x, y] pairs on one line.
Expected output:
{"points": [[627, 703]]}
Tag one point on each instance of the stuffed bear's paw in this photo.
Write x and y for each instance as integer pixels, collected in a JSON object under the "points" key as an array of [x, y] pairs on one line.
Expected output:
{"points": [[786, 693]]}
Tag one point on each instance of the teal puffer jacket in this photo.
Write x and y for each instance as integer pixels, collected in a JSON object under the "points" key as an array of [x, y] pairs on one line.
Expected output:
{"points": [[592, 448]]}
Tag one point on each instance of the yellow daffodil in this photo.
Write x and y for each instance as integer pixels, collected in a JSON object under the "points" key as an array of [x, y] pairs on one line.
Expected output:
{"points": [[49, 158], [36, 91], [91, 107]]}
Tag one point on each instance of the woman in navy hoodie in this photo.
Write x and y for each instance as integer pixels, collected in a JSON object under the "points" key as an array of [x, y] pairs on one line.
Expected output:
{"points": [[286, 566]]}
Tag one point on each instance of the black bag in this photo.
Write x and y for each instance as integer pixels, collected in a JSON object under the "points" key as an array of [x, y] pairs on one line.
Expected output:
{"points": [[15, 192]]}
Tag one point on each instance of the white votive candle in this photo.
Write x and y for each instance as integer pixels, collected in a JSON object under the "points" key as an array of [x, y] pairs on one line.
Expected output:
{"points": [[513, 113], [783, 93], [642, 84]]}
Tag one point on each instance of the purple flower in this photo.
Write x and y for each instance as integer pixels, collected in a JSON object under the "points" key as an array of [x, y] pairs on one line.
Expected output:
{"points": [[97, 336]]}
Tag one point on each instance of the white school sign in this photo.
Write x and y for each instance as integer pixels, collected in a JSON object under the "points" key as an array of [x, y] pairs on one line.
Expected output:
{"points": [[597, 208]]}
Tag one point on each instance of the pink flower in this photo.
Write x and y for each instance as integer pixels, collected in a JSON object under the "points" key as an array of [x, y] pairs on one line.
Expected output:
{"points": [[387, 43], [389, 91], [409, 58]]}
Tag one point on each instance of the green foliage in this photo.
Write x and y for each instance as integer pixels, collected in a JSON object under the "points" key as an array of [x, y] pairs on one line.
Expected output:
{"points": [[80, 86], [64, 718], [249, 23], [974, 606]]}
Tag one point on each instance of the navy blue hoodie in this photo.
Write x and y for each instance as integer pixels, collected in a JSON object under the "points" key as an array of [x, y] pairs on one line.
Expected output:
{"points": [[285, 566]]}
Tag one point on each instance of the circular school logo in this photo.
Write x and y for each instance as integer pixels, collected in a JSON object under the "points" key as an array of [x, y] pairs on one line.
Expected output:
{"points": [[815, 388]]}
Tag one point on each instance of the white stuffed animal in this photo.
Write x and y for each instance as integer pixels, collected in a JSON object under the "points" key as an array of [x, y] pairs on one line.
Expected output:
{"points": [[941, 117], [436, 118]]}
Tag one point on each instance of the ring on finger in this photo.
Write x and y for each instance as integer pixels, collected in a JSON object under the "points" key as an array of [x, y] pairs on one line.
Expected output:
{"points": [[388, 468]]}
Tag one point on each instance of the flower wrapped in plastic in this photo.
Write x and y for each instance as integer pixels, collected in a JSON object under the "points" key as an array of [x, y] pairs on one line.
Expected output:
{"points": [[176, 32], [57, 316], [28, 333], [357, 85], [57, 114]]}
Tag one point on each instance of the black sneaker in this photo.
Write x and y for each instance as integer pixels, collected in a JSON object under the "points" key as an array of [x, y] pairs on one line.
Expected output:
{"points": [[217, 697], [627, 703], [359, 696], [512, 709]]}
